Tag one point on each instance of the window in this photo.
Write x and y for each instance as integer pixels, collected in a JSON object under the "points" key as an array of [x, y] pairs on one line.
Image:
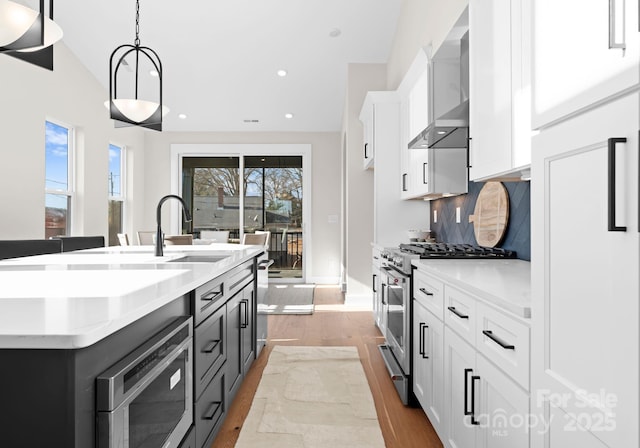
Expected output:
{"points": [[116, 193], [58, 178]]}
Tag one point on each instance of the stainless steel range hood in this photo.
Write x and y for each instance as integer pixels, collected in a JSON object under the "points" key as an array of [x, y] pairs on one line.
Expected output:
{"points": [[449, 95]]}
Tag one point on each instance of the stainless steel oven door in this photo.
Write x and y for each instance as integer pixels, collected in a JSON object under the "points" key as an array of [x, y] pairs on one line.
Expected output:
{"points": [[147, 398], [396, 299]]}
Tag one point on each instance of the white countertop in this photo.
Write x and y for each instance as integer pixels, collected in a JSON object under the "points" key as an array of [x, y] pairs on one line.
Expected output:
{"points": [[504, 283], [74, 299]]}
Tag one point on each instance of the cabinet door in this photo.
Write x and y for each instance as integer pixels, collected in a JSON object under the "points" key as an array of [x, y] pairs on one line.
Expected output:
{"points": [[428, 363], [501, 407], [234, 364], [419, 104], [585, 326], [459, 368], [367, 116], [247, 327], [490, 86], [573, 64], [405, 162]]}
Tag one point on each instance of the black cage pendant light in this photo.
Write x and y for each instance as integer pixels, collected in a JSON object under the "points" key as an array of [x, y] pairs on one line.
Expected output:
{"points": [[28, 34], [135, 76]]}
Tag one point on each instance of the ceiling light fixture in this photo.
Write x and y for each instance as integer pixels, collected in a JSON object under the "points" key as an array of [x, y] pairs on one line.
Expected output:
{"points": [[182, 116], [28, 34], [335, 32], [130, 109], [289, 116], [282, 73]]}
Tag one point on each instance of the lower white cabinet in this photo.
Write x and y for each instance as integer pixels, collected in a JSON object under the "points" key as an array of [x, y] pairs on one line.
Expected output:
{"points": [[379, 316], [484, 408], [428, 363]]}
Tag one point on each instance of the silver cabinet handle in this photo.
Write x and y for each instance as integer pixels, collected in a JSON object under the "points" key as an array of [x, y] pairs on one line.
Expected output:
{"points": [[613, 26]]}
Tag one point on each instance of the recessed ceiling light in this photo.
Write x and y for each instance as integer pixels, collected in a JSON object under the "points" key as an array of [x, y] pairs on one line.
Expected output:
{"points": [[153, 72], [182, 116], [335, 32], [282, 73], [288, 116]]}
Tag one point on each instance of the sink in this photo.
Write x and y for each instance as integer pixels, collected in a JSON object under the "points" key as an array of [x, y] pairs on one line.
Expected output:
{"points": [[199, 259]]}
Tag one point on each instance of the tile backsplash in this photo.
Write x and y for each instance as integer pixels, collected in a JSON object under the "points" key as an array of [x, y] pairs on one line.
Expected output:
{"points": [[518, 234]]}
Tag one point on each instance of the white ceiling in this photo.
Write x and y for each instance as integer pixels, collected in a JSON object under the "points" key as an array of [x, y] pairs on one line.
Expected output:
{"points": [[220, 57]]}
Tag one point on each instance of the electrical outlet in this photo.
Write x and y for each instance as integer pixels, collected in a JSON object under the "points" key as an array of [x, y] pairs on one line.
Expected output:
{"points": [[435, 216], [458, 215]]}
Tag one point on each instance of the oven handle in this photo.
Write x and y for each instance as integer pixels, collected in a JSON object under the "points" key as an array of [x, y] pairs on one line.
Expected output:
{"points": [[393, 273]]}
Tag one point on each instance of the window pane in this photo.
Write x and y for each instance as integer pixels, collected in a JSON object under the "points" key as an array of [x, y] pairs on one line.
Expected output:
{"points": [[57, 214], [115, 171], [56, 157], [115, 221]]}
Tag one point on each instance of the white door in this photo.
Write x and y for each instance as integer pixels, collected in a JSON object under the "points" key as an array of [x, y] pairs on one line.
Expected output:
{"points": [[585, 280]]}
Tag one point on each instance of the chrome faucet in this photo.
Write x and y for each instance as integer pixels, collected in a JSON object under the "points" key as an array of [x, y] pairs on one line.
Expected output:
{"points": [[159, 234]]}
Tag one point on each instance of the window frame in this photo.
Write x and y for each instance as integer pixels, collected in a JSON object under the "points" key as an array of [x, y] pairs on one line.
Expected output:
{"points": [[71, 172], [123, 185]]}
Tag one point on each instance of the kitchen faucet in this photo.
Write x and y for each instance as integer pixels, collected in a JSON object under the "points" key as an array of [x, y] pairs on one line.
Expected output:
{"points": [[159, 235]]}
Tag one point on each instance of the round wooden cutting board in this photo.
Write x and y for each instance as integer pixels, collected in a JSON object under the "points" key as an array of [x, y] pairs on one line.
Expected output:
{"points": [[491, 214]]}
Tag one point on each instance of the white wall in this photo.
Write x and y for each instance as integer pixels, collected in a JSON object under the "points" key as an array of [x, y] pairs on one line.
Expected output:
{"points": [[421, 23], [70, 94], [361, 78], [325, 189]]}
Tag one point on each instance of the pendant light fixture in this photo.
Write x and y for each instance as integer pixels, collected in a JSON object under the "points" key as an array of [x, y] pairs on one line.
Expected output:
{"points": [[28, 34], [135, 95]]}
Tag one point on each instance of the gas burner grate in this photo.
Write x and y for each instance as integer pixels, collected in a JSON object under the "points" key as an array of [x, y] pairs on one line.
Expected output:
{"points": [[448, 250]]}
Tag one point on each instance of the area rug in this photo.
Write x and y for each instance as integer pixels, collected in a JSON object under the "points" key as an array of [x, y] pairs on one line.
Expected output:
{"points": [[312, 397], [289, 299]]}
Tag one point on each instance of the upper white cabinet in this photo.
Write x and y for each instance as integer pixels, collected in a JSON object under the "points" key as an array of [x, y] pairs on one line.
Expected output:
{"points": [[499, 81], [583, 53], [367, 117], [419, 101], [392, 216]]}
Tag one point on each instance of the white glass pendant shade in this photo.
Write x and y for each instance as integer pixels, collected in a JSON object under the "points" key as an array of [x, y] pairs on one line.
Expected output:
{"points": [[16, 20], [137, 110]]}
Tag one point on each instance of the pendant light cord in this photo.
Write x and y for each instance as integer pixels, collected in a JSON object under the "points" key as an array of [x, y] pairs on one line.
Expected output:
{"points": [[137, 41]]}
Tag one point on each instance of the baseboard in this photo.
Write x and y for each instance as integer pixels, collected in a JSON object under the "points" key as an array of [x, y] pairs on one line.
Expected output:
{"points": [[359, 300], [324, 280]]}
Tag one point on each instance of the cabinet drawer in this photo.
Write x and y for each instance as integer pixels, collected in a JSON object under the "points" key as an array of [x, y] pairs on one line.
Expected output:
{"points": [[210, 410], [460, 313], [239, 276], [429, 292], [208, 298], [505, 342], [210, 348]]}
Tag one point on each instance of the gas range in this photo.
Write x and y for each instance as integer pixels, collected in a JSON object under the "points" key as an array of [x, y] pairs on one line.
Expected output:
{"points": [[400, 258]]}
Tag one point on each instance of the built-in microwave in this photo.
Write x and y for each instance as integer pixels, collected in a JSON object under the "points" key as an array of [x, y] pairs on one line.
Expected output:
{"points": [[146, 399]]}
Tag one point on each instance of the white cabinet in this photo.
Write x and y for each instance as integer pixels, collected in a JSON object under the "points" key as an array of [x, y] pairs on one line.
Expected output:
{"points": [[585, 328], [499, 84], [419, 102], [367, 118], [577, 61], [379, 316], [392, 216], [428, 363], [484, 408]]}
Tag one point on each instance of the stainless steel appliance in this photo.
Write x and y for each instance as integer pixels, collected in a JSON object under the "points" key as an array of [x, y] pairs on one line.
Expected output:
{"points": [[261, 304], [146, 399], [397, 287]]}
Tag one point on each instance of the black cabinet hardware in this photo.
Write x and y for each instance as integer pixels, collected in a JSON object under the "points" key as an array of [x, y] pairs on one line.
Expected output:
{"points": [[612, 185], [457, 313], [422, 349], [404, 182], [211, 295], [504, 345], [245, 323], [473, 400], [212, 410], [424, 291], [210, 347], [424, 173], [466, 391], [373, 283], [366, 156]]}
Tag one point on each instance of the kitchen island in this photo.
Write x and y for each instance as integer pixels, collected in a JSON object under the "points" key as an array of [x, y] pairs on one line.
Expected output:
{"points": [[66, 318]]}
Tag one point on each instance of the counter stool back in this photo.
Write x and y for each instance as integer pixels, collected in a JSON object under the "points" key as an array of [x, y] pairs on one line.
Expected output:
{"points": [[26, 248], [70, 243]]}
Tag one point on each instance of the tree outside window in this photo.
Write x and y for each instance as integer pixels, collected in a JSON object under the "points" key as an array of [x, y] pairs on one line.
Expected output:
{"points": [[116, 193], [58, 179]]}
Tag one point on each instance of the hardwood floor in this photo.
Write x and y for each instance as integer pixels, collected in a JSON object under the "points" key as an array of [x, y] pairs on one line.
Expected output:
{"points": [[333, 324]]}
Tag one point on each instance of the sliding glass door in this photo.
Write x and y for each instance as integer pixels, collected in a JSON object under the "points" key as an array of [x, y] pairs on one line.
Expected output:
{"points": [[268, 197]]}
